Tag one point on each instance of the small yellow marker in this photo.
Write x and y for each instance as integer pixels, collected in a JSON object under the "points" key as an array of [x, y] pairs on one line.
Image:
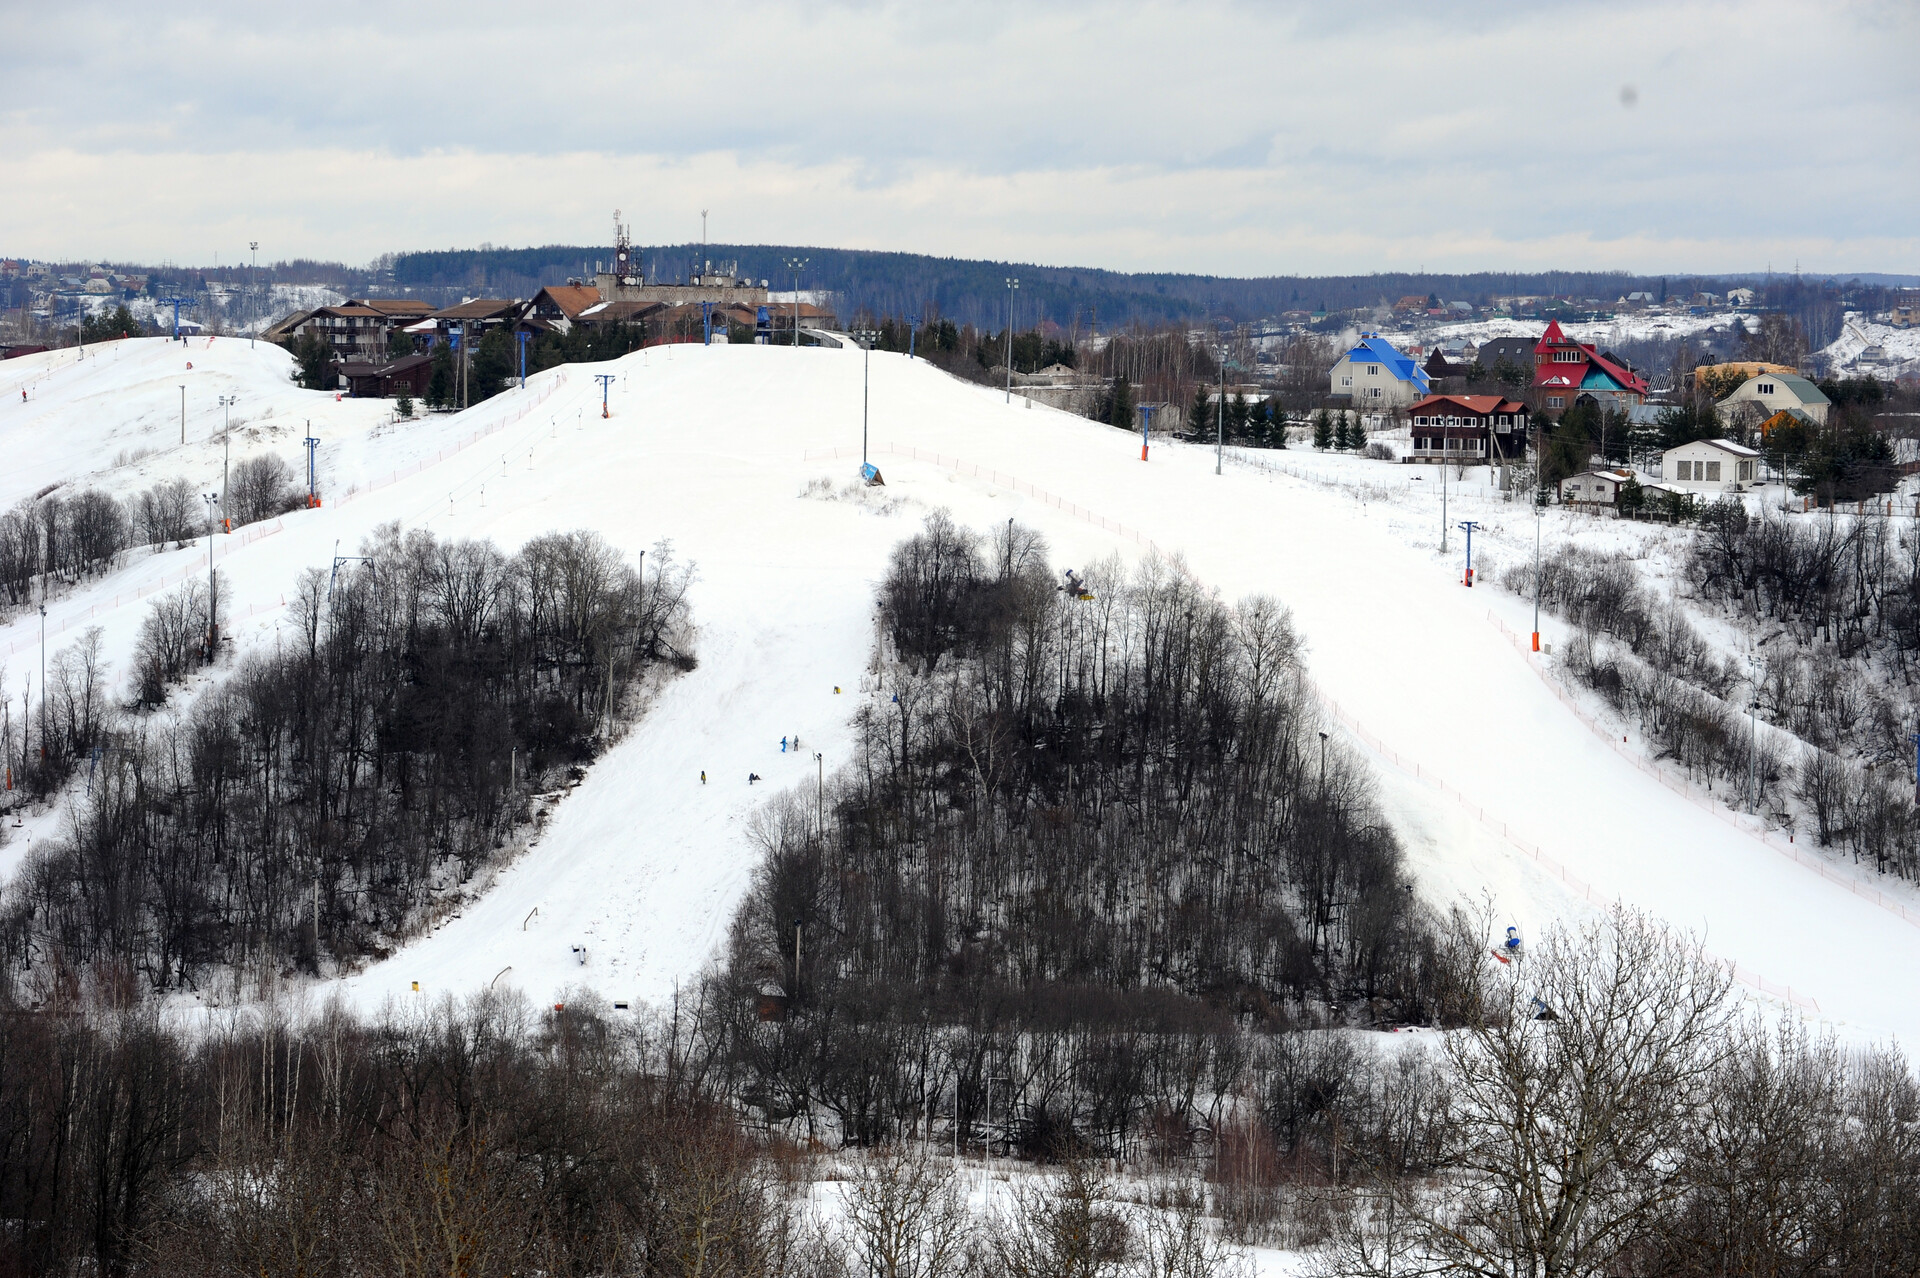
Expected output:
{"points": [[416, 987]]}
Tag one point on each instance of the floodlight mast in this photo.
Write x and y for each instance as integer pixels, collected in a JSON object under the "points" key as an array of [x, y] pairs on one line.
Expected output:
{"points": [[1012, 284]]}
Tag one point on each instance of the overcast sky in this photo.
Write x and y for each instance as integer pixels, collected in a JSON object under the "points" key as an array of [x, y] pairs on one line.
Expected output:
{"points": [[1225, 138]]}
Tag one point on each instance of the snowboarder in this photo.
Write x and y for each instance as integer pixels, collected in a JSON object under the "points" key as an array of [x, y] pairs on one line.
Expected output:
{"points": [[703, 776], [783, 745], [752, 777]]}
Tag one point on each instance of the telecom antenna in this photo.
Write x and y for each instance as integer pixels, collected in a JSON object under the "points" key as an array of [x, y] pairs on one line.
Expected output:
{"points": [[622, 251]]}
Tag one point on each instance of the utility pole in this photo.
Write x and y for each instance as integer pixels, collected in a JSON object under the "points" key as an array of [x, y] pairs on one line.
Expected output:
{"points": [[820, 795], [794, 995], [313, 496], [254, 245], [183, 414], [522, 336], [1012, 285], [1443, 491]]}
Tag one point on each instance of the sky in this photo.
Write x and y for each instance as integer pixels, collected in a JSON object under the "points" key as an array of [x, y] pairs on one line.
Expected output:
{"points": [[1222, 138]]}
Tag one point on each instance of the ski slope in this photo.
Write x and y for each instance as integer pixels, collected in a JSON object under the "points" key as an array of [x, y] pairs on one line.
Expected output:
{"points": [[1478, 761]]}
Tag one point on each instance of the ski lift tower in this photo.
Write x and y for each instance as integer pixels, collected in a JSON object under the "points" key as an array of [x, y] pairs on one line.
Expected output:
{"points": [[176, 303], [313, 496]]}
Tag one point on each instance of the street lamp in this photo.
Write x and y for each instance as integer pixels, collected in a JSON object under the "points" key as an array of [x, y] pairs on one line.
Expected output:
{"points": [[866, 337], [226, 439], [254, 245], [1539, 512], [796, 265], [212, 611], [1012, 285]]}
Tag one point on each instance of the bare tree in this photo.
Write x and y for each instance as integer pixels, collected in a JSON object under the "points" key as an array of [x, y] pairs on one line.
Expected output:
{"points": [[906, 1216]]}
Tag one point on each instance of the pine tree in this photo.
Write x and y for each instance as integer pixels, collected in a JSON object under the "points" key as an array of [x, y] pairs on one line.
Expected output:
{"points": [[1323, 430], [440, 382], [1120, 411], [1200, 415], [1278, 431], [1342, 433], [1237, 416]]}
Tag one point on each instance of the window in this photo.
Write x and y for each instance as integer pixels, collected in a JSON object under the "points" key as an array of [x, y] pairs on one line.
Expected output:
{"points": [[1373, 370], [1713, 472], [1746, 472], [1556, 401], [1373, 392], [1764, 388], [1346, 381]]}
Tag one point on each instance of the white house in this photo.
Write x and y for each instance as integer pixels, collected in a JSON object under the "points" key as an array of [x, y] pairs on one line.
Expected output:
{"points": [[1377, 377], [1775, 391], [1594, 487], [1710, 466]]}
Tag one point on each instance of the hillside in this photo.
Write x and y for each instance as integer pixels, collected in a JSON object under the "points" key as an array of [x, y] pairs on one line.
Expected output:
{"points": [[744, 456]]}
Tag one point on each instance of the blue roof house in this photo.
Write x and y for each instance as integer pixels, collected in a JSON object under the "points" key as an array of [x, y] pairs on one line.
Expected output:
{"points": [[1378, 378]]}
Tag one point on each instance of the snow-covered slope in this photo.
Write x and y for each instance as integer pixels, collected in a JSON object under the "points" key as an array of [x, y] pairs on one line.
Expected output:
{"points": [[715, 447]]}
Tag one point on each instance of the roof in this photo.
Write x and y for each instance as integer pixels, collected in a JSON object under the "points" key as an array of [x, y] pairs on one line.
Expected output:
{"points": [[1803, 389], [395, 306], [1618, 474], [1622, 378], [478, 308], [1479, 405], [357, 312], [386, 369], [1374, 350], [1724, 445], [285, 326], [619, 312], [570, 298]]}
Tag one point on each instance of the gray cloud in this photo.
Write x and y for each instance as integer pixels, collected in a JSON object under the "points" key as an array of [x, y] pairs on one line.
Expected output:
{"points": [[1230, 138]]}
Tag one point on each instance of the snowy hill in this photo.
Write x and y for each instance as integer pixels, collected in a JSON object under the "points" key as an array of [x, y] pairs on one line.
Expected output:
{"points": [[1493, 782]]}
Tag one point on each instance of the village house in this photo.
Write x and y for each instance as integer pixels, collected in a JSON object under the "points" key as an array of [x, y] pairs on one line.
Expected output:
{"points": [[1467, 428], [1594, 487], [383, 380], [1567, 372], [1771, 393], [559, 307], [1710, 466], [1378, 378]]}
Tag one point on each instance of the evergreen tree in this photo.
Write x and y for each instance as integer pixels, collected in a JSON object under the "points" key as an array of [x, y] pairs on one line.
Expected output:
{"points": [[403, 402], [1323, 430], [492, 365], [315, 357], [440, 382], [1120, 406], [1237, 417], [1277, 432], [1200, 414], [399, 344], [1342, 433]]}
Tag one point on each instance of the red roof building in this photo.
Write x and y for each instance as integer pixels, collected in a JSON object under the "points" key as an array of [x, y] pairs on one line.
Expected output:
{"points": [[1566, 372], [1467, 429]]}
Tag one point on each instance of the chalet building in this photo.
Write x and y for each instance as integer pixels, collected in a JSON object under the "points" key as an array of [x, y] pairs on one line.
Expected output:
{"points": [[1467, 428], [560, 307], [1567, 372], [473, 318], [1378, 378], [1710, 466], [369, 380], [355, 332], [1771, 393], [1516, 352]]}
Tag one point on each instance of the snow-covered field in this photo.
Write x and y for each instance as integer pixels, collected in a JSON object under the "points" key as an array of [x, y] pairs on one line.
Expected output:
{"points": [[1493, 781]]}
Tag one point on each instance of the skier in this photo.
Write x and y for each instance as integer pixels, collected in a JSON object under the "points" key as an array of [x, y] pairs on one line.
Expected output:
{"points": [[752, 777], [783, 745], [703, 776], [1510, 948]]}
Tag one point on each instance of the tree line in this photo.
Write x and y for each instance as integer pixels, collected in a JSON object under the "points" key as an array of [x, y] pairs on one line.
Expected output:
{"points": [[323, 798]]}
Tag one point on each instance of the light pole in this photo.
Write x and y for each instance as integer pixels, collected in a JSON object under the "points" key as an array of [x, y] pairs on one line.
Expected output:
{"points": [[796, 265], [866, 338], [212, 637], [1469, 525], [183, 414], [522, 336], [820, 795], [226, 440], [313, 497], [1443, 490], [1012, 284], [1538, 514], [254, 245]]}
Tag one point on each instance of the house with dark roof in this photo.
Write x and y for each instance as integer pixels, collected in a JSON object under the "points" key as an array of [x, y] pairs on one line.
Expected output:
{"points": [[1514, 351], [382, 380], [1377, 377], [1567, 372], [1467, 429], [559, 306]]}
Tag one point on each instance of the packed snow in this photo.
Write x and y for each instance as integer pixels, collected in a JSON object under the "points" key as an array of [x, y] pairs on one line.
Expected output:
{"points": [[745, 457]]}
